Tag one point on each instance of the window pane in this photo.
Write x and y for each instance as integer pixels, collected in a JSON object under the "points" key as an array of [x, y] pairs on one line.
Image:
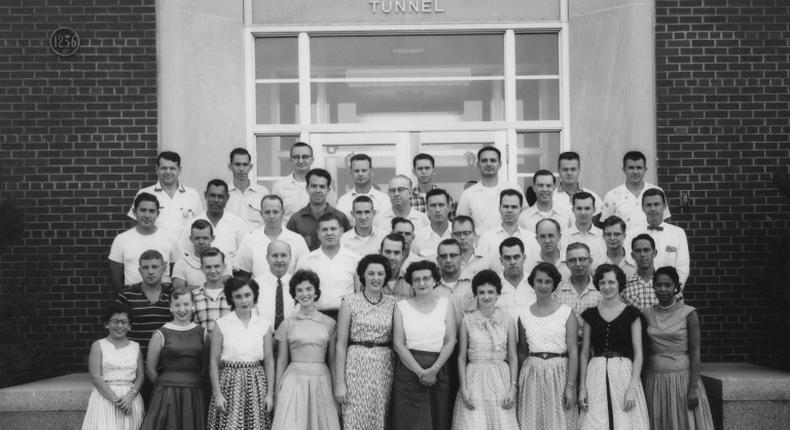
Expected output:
{"points": [[537, 54], [535, 151], [407, 55], [276, 58], [338, 102], [276, 103], [272, 156], [538, 99]]}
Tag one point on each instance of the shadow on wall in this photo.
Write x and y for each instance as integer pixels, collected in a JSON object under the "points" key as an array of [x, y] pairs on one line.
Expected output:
{"points": [[777, 282]]}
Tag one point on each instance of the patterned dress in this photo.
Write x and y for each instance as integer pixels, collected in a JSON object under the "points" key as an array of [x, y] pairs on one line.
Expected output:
{"points": [[609, 374], [369, 364], [542, 381], [668, 372], [119, 370], [487, 375]]}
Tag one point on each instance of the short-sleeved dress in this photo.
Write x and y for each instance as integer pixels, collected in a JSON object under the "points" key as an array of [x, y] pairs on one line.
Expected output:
{"points": [[306, 399], [369, 361], [179, 397], [242, 377], [119, 370], [487, 375], [609, 374], [542, 380], [668, 372]]}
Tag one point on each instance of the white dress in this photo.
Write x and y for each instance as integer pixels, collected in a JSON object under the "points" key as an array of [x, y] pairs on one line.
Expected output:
{"points": [[119, 370]]}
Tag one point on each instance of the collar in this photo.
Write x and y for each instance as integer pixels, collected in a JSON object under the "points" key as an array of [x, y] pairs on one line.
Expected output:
{"points": [[568, 286], [314, 315], [158, 188], [233, 317], [253, 188], [561, 188]]}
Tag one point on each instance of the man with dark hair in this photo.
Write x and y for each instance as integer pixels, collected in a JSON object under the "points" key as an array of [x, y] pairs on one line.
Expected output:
{"points": [[424, 169], [305, 220], [472, 261], [583, 230], [292, 188], [399, 190], [455, 283], [128, 246], [187, 270], [517, 295], [361, 169], [244, 196], [427, 239], [393, 248], [569, 167], [229, 229], [477, 200], [335, 266], [549, 237], [543, 183], [638, 291], [671, 243], [251, 259], [614, 234], [209, 298], [510, 204], [578, 291], [179, 205], [364, 238], [625, 200]]}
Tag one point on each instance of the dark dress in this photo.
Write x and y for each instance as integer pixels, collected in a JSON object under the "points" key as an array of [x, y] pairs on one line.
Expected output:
{"points": [[609, 373], [179, 397]]}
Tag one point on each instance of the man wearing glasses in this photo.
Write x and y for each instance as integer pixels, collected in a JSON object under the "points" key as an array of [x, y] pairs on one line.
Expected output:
{"points": [[291, 187], [616, 252], [471, 261], [399, 191]]}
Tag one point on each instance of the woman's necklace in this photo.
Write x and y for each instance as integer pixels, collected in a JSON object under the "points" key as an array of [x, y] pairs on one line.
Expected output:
{"points": [[381, 296], [666, 308]]}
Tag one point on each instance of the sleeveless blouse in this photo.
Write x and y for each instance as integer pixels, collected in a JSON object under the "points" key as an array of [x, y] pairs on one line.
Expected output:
{"points": [[667, 334], [424, 332], [240, 343], [546, 334], [611, 336]]}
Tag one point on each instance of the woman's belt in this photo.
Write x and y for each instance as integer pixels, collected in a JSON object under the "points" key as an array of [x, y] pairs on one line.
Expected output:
{"points": [[547, 355], [371, 344]]}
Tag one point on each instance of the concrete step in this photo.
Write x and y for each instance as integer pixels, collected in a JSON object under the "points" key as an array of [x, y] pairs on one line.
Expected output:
{"points": [[55, 403]]}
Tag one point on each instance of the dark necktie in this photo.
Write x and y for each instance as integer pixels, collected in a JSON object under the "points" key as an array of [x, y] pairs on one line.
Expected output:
{"points": [[278, 304], [655, 227]]}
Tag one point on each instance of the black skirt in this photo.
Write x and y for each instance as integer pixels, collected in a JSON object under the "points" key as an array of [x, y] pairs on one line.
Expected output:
{"points": [[417, 407]]}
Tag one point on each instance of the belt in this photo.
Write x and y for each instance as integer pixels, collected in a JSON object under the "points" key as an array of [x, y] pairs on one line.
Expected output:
{"points": [[372, 344], [610, 354], [547, 355]]}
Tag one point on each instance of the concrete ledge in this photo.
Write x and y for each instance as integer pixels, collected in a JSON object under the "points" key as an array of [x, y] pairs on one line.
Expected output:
{"points": [[55, 403], [747, 396]]}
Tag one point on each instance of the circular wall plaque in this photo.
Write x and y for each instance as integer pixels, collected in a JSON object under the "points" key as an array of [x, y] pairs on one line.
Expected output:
{"points": [[64, 42]]}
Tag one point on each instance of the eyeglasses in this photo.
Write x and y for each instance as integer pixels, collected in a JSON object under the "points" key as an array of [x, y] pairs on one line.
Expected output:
{"points": [[463, 233], [119, 322], [397, 190], [425, 280]]}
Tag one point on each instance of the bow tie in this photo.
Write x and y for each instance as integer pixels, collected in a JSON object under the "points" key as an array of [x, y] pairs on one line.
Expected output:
{"points": [[655, 227]]}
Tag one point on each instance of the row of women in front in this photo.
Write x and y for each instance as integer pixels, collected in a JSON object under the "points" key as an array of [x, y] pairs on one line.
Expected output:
{"points": [[388, 364]]}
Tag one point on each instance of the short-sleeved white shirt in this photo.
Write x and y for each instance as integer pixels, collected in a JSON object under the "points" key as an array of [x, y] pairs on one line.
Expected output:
{"points": [[128, 246], [229, 232], [593, 239], [381, 202], [384, 219], [563, 200], [177, 213], [621, 202], [188, 268], [426, 240], [251, 256], [362, 246], [672, 248], [514, 299], [530, 217], [247, 204], [240, 343], [481, 204], [336, 275], [489, 242]]}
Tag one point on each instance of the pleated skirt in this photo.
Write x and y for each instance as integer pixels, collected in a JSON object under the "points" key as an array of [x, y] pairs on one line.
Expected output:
{"points": [[667, 405], [607, 382], [417, 407], [102, 414], [487, 382], [243, 384], [540, 399], [306, 399], [176, 408]]}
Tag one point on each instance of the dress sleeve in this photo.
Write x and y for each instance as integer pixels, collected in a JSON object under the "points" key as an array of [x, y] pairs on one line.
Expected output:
{"points": [[588, 315], [282, 331], [631, 313]]}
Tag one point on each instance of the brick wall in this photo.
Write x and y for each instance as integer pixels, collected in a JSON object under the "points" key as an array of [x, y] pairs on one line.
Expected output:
{"points": [[78, 136], [723, 118]]}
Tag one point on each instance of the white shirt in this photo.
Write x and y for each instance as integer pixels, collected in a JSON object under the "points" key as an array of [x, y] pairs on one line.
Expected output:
{"points": [[337, 275], [240, 342], [229, 232], [562, 200], [294, 195], [672, 248], [247, 204], [514, 299], [424, 332], [489, 242], [188, 269], [530, 217], [384, 219], [476, 263], [593, 239], [626, 263], [251, 256], [482, 203], [426, 240], [128, 246], [177, 213], [267, 298], [362, 246], [621, 202], [380, 202]]}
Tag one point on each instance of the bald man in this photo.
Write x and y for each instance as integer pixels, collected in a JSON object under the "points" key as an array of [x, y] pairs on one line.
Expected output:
{"points": [[399, 192], [274, 301]]}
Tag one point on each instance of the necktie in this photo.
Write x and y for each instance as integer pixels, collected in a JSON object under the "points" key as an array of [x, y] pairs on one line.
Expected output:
{"points": [[278, 304], [655, 227]]}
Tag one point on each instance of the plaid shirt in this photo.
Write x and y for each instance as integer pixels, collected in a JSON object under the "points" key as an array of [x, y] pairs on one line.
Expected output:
{"points": [[589, 298], [208, 310], [639, 292], [417, 200]]}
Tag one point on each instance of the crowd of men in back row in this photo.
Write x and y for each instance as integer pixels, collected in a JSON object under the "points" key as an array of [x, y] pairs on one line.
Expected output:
{"points": [[248, 231]]}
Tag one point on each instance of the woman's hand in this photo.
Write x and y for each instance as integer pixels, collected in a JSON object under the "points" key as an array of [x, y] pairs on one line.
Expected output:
{"points": [[569, 397], [126, 402], [219, 403], [630, 398], [692, 398], [428, 377], [268, 402], [467, 400], [510, 399], [583, 398], [341, 391]]}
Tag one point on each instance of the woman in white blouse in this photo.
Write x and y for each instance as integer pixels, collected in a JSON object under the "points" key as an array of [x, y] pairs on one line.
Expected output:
{"points": [[242, 397], [423, 337]]}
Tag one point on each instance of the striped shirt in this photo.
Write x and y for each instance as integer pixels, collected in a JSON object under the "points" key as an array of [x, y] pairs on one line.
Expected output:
{"points": [[144, 315]]}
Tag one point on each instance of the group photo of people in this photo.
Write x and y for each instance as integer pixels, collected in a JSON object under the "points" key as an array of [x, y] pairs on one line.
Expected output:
{"points": [[398, 306]]}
